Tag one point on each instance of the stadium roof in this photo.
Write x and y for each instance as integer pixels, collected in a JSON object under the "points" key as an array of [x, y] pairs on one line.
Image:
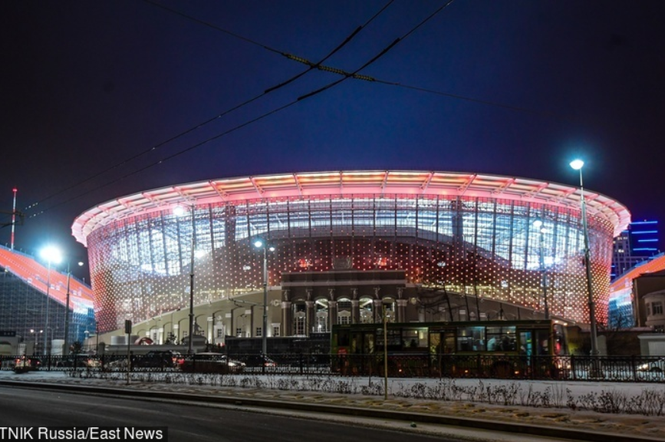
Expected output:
{"points": [[37, 276], [346, 183], [625, 281]]}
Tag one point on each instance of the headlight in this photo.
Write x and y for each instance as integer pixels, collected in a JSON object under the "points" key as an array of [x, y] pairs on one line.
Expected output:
{"points": [[643, 367]]}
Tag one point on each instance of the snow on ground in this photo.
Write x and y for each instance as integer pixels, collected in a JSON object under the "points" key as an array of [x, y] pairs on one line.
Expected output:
{"points": [[628, 408]]}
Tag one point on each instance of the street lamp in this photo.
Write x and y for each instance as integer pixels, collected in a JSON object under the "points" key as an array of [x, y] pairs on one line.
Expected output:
{"points": [[51, 255], [180, 211], [577, 165], [538, 224], [65, 346], [260, 244]]}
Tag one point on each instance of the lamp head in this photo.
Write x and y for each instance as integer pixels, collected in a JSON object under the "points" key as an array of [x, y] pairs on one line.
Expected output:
{"points": [[258, 243], [51, 254], [577, 164], [537, 224], [179, 211], [271, 248]]}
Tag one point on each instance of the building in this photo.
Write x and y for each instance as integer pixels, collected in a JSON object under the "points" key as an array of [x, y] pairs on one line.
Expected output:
{"points": [[636, 244], [427, 245], [637, 297], [23, 296]]}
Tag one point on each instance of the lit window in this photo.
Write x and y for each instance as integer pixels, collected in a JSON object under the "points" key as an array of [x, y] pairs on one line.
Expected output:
{"points": [[657, 308]]}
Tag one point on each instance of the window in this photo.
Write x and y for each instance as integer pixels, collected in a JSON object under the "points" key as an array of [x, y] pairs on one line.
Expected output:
{"points": [[414, 338], [239, 332], [299, 324], [501, 339], [259, 332], [220, 332], [275, 330], [344, 317], [657, 308], [471, 339]]}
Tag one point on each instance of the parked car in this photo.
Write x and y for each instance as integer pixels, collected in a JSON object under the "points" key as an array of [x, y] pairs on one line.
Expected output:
{"points": [[208, 362], [81, 360], [157, 359], [26, 363], [655, 366], [259, 360]]}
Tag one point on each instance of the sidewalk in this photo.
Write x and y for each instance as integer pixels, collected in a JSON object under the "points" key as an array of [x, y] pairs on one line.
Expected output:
{"points": [[563, 423]]}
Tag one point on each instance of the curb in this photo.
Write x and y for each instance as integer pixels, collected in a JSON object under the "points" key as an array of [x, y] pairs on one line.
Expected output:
{"points": [[506, 427]]}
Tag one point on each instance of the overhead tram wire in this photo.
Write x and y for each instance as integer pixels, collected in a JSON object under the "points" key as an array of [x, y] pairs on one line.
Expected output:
{"points": [[284, 54], [475, 100], [353, 74], [215, 27], [319, 64], [233, 129], [210, 120]]}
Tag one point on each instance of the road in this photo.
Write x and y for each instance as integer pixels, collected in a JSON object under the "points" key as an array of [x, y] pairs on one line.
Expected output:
{"points": [[185, 422]]}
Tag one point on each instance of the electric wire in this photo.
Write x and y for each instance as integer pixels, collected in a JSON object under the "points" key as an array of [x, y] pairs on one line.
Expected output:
{"points": [[210, 120], [319, 64], [474, 100], [215, 27], [278, 109], [348, 75]]}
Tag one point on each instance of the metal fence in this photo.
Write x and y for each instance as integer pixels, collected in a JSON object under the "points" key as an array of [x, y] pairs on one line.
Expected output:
{"points": [[570, 368]]}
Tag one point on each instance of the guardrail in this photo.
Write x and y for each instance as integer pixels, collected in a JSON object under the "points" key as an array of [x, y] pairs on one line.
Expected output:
{"points": [[570, 368]]}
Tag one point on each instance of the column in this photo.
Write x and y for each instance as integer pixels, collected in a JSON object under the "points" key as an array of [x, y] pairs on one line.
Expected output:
{"points": [[252, 328], [355, 311], [332, 314], [378, 311], [287, 319], [401, 310], [311, 318]]}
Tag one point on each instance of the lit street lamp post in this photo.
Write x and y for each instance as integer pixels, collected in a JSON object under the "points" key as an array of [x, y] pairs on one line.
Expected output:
{"points": [[65, 346], [538, 224], [179, 211], [259, 244], [52, 255], [577, 165]]}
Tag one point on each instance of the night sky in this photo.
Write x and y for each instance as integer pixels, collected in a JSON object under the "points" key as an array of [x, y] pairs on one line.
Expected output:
{"points": [[516, 88]]}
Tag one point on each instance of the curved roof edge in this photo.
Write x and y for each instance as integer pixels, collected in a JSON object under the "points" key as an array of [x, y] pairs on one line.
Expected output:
{"points": [[347, 183], [654, 264]]}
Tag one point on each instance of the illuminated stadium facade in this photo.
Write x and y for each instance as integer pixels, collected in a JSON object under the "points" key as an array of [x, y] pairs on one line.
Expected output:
{"points": [[473, 236]]}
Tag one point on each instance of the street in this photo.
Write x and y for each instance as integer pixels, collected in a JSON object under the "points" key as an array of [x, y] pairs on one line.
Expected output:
{"points": [[26, 407]]}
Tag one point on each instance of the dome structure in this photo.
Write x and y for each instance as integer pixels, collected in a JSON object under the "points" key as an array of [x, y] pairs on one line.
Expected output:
{"points": [[492, 237]]}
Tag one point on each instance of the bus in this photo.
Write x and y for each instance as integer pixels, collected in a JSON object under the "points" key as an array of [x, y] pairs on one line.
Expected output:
{"points": [[521, 348]]}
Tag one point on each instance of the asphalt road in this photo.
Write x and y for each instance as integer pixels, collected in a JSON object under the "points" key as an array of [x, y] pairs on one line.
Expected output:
{"points": [[185, 422]]}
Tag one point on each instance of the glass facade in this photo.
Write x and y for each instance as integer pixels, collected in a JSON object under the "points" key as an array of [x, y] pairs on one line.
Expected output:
{"points": [[484, 246]]}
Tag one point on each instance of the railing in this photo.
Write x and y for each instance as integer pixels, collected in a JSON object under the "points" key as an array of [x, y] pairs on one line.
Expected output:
{"points": [[569, 368]]}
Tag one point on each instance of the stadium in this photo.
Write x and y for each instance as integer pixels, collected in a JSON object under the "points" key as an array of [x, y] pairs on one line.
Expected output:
{"points": [[429, 245]]}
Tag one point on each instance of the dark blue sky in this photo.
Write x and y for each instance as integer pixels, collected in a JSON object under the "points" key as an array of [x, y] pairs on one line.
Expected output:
{"points": [[87, 85]]}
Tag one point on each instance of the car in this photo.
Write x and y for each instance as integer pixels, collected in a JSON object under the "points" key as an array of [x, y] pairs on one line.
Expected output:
{"points": [[26, 363], [259, 360], [80, 360], [157, 359], [209, 362], [654, 366]]}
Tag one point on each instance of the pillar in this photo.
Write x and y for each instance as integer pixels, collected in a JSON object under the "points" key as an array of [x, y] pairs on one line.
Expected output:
{"points": [[311, 318], [401, 310], [287, 319], [332, 314], [355, 311], [378, 311]]}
